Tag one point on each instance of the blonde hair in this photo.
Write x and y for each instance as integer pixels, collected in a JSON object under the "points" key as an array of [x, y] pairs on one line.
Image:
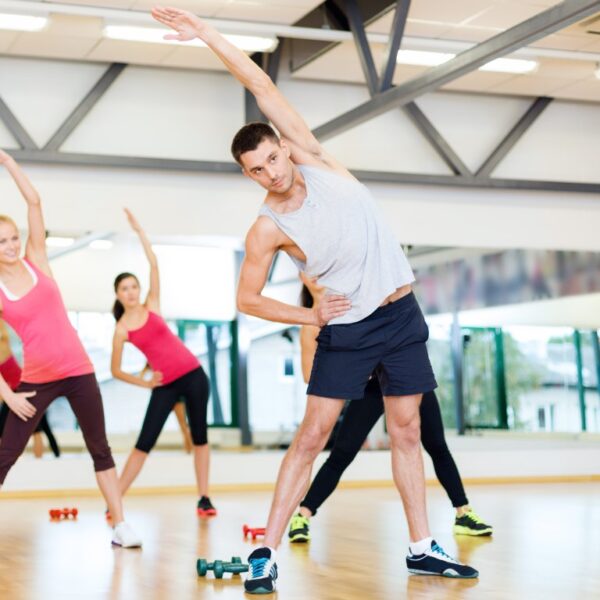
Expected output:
{"points": [[8, 220]]}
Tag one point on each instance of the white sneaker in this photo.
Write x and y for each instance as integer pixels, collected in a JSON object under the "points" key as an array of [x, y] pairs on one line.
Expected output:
{"points": [[125, 537]]}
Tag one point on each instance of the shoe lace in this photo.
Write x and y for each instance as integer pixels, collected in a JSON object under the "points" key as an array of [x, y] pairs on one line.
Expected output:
{"points": [[439, 550], [473, 516], [298, 521], [258, 566]]}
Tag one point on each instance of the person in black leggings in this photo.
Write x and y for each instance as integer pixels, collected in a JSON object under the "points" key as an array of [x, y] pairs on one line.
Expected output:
{"points": [[358, 419]]}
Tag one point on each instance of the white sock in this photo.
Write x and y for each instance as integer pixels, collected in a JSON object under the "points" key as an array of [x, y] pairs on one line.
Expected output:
{"points": [[421, 546], [273, 552]]}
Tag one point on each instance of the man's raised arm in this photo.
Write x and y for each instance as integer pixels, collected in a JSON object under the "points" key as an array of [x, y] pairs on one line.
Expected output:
{"points": [[270, 100]]}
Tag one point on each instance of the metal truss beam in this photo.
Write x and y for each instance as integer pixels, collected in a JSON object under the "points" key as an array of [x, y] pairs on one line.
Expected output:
{"points": [[221, 167], [362, 45], [514, 135], [477, 182], [541, 25], [330, 16], [126, 162], [269, 62], [14, 126], [423, 124], [85, 106], [396, 35], [435, 138]]}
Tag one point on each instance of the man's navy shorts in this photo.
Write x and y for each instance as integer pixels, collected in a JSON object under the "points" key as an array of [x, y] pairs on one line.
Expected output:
{"points": [[390, 342]]}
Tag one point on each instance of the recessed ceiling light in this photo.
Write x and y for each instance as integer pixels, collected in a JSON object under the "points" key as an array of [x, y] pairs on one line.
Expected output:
{"points": [[154, 35], [58, 241], [423, 57], [22, 22], [510, 65]]}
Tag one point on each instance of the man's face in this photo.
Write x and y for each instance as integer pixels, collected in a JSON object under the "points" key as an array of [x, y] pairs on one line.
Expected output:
{"points": [[270, 166]]}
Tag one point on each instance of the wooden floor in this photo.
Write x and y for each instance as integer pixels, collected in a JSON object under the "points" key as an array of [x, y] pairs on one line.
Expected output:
{"points": [[545, 546]]}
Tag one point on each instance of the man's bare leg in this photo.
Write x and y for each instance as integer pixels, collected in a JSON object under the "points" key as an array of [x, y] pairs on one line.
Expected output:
{"points": [[404, 428], [294, 474]]}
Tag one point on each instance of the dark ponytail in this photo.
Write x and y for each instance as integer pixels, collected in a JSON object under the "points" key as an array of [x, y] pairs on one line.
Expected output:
{"points": [[306, 299], [118, 308]]}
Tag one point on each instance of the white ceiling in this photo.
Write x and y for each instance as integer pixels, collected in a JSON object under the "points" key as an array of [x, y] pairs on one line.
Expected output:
{"points": [[80, 38], [264, 11]]}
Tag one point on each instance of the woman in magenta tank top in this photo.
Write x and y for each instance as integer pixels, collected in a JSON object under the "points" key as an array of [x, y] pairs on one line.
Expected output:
{"points": [[176, 372], [55, 363]]}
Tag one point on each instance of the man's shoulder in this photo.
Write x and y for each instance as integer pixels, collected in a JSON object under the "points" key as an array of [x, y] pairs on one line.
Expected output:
{"points": [[265, 231]]}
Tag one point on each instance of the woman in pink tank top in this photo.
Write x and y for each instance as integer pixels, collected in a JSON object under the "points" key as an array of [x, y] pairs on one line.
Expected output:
{"points": [[176, 372], [55, 362]]}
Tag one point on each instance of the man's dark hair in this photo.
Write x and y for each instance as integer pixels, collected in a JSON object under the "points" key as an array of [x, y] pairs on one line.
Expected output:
{"points": [[249, 137]]}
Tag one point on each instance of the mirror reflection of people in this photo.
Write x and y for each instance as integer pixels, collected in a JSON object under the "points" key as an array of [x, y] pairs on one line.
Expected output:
{"points": [[358, 420], [11, 371], [55, 361], [176, 372]]}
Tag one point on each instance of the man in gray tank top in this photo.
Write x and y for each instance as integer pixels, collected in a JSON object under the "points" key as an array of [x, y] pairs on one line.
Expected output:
{"points": [[326, 221]]}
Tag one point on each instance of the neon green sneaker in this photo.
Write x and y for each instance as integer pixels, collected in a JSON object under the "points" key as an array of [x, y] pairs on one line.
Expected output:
{"points": [[471, 524], [299, 530]]}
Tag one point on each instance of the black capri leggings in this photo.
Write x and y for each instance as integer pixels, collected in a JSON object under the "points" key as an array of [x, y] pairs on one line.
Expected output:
{"points": [[359, 419], [195, 389], [83, 395]]}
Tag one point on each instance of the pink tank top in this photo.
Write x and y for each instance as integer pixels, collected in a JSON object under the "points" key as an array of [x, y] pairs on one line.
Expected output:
{"points": [[52, 349], [163, 349], [11, 371]]}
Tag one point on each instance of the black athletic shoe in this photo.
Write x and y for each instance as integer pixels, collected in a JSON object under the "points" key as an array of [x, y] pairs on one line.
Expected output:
{"points": [[263, 572], [471, 524], [205, 507], [437, 562]]}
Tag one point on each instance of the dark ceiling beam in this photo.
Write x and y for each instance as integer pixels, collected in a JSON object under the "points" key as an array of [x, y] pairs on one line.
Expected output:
{"points": [[269, 62], [414, 113], [85, 106], [513, 136], [15, 127], [365, 54], [541, 25], [437, 140], [397, 33], [221, 167], [330, 15]]}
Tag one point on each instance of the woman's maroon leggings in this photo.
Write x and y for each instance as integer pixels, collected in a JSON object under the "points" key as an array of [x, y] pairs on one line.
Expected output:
{"points": [[83, 395]]}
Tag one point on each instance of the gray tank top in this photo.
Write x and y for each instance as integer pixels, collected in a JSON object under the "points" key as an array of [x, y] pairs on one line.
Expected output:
{"points": [[347, 246]]}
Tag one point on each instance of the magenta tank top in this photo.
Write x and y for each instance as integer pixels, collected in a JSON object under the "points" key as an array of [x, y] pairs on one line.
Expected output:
{"points": [[11, 371], [164, 351], [52, 349]]}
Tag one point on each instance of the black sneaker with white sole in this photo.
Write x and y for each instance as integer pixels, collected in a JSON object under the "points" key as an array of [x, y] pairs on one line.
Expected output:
{"points": [[436, 562], [263, 572]]}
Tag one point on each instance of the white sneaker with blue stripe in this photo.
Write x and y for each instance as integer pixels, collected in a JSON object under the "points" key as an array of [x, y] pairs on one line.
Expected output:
{"points": [[263, 572], [435, 561]]}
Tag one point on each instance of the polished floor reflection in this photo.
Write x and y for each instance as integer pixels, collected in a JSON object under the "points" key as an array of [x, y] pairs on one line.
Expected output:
{"points": [[545, 546]]}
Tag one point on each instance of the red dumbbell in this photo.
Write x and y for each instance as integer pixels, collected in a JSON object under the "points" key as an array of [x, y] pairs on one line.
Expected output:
{"points": [[56, 514], [253, 531]]}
